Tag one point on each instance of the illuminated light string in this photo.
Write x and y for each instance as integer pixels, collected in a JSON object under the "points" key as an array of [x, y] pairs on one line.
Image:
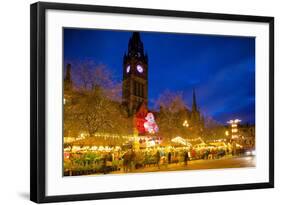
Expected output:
{"points": [[195, 139], [182, 141], [151, 127]]}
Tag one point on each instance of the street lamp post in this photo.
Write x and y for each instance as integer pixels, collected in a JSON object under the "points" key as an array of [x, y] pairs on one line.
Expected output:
{"points": [[185, 124], [226, 133]]}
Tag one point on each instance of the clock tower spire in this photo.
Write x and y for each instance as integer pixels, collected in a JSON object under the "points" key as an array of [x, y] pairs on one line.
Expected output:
{"points": [[135, 75]]}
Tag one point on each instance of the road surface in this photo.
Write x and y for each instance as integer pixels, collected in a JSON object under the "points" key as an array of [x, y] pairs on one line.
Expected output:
{"points": [[226, 162]]}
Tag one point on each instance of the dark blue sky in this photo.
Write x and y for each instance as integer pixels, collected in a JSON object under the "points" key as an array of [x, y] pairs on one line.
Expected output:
{"points": [[221, 69]]}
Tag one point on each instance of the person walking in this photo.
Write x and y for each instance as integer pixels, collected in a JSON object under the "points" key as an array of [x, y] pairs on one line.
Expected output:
{"points": [[157, 158], [169, 157], [126, 161], [185, 157], [132, 160]]}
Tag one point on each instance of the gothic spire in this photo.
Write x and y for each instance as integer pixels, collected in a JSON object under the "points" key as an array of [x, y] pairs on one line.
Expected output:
{"points": [[136, 37], [135, 47], [194, 104], [67, 79]]}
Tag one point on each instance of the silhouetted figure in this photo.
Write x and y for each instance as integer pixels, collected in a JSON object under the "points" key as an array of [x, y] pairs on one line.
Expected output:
{"points": [[157, 158], [185, 157], [169, 157]]}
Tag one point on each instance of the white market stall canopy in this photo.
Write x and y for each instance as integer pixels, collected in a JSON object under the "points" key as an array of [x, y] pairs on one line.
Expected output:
{"points": [[181, 141]]}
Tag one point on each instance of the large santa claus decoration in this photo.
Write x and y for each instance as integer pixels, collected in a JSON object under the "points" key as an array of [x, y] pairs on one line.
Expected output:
{"points": [[150, 125]]}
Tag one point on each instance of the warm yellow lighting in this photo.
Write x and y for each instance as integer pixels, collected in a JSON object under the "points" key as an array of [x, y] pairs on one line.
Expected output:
{"points": [[185, 124], [226, 133], [64, 101], [234, 130], [234, 126]]}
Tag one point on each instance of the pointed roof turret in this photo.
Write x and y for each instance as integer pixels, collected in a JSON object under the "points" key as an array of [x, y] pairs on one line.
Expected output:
{"points": [[136, 37], [135, 47], [194, 104], [67, 79]]}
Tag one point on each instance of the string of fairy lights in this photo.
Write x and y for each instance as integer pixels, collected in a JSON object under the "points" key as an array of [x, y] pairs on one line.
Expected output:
{"points": [[178, 139]]}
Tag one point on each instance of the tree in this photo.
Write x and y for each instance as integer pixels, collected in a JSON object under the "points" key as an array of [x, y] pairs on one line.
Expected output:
{"points": [[172, 113], [213, 129], [95, 103], [98, 113], [172, 102], [88, 75]]}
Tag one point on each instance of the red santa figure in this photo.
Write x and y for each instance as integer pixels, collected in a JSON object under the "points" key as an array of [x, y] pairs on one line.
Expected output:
{"points": [[150, 124]]}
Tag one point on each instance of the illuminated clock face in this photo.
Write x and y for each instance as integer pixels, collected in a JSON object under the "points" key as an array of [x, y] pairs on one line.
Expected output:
{"points": [[128, 68], [139, 68]]}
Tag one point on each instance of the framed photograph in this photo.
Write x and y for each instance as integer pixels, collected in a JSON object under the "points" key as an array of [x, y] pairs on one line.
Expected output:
{"points": [[129, 102]]}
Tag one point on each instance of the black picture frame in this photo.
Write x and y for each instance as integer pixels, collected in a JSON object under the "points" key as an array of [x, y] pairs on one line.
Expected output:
{"points": [[38, 101]]}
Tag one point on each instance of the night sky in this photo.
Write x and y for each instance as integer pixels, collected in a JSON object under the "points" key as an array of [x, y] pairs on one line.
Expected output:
{"points": [[221, 69]]}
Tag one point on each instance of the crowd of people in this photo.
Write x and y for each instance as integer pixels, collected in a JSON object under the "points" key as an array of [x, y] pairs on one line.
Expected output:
{"points": [[130, 160], [135, 160]]}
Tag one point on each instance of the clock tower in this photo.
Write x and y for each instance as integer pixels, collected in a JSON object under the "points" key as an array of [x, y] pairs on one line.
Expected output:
{"points": [[135, 75]]}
